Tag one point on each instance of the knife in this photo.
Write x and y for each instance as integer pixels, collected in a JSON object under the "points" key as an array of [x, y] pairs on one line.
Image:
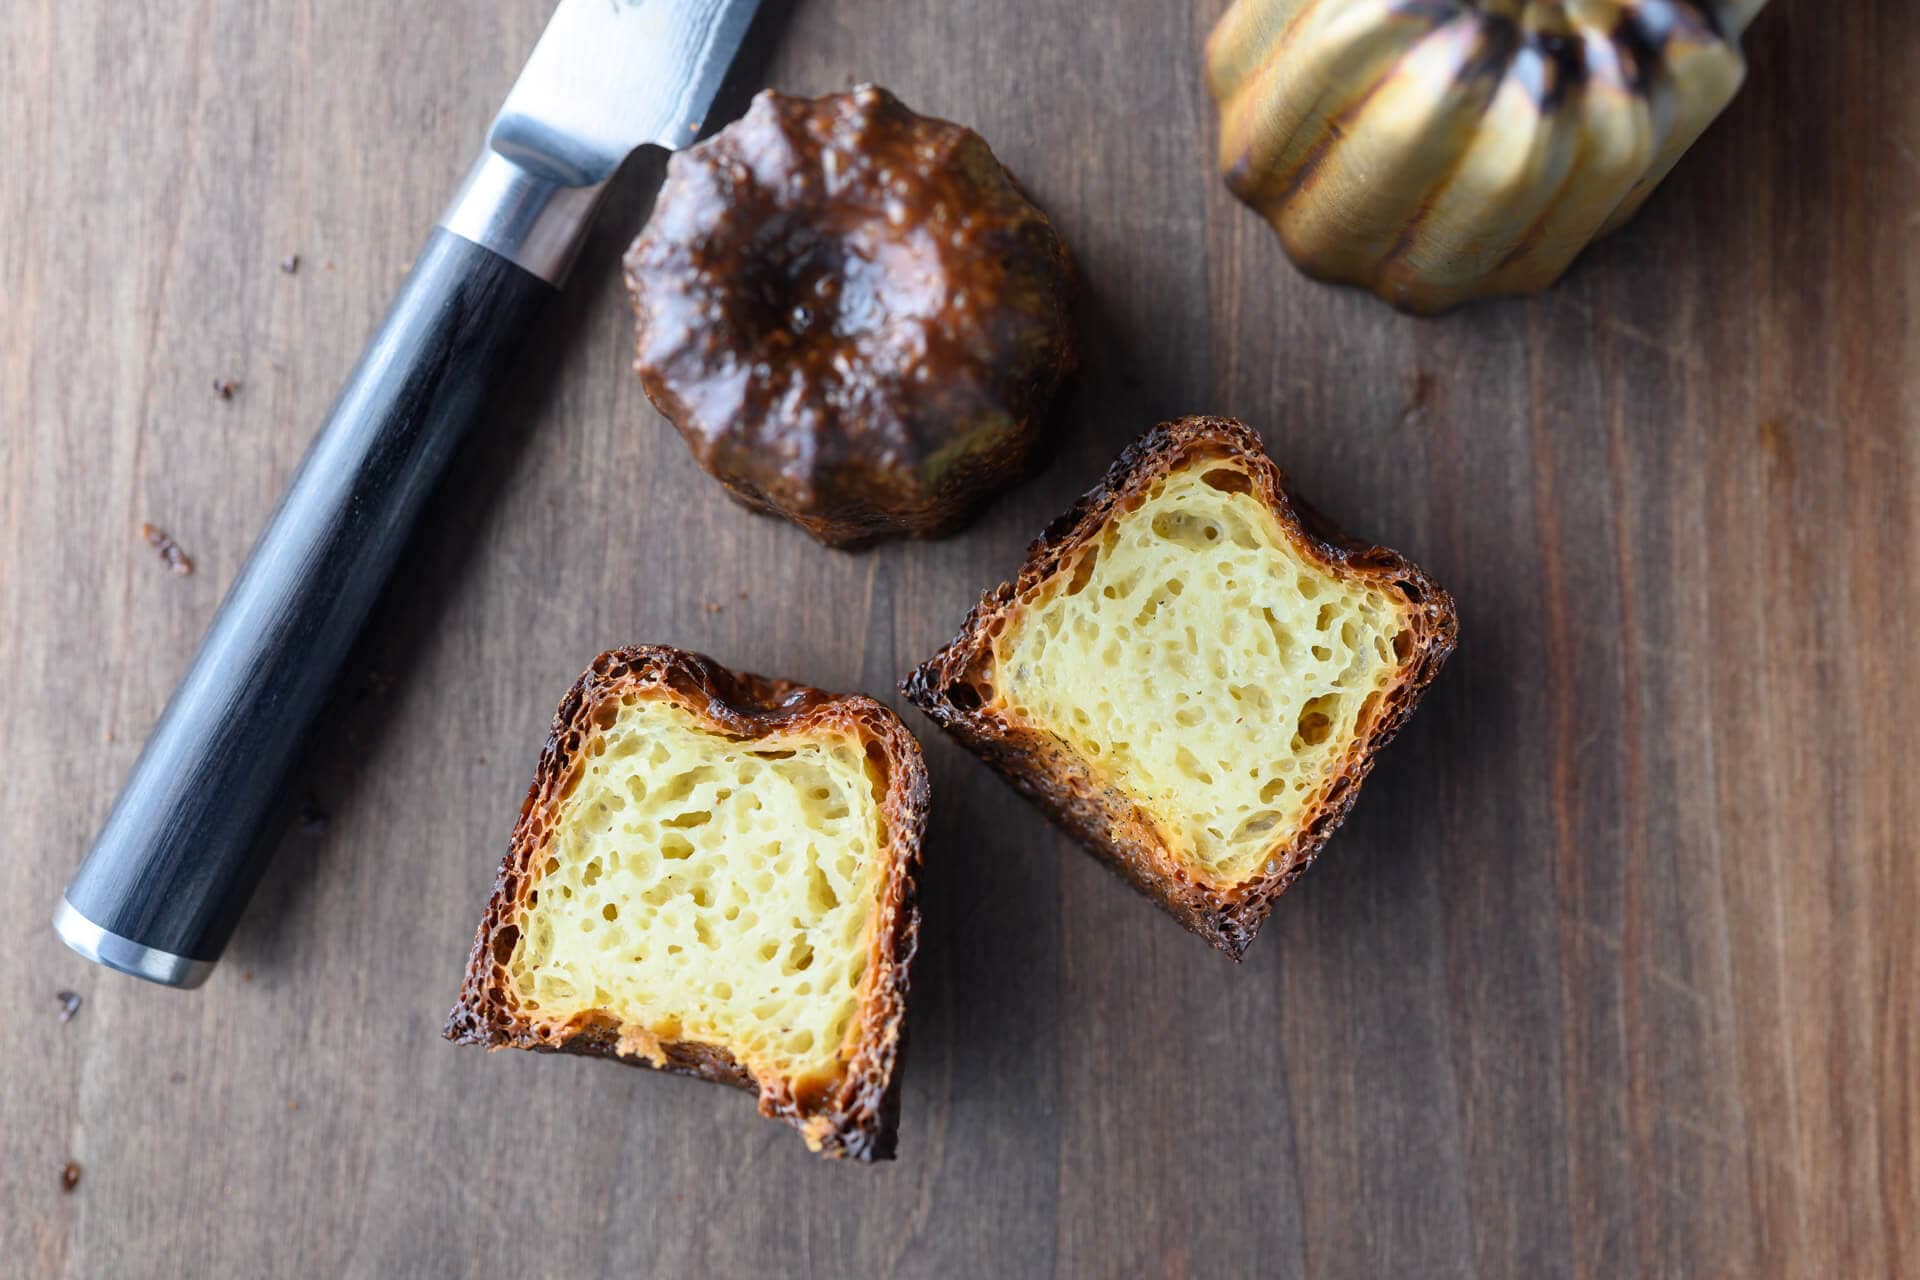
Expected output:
{"points": [[164, 882]]}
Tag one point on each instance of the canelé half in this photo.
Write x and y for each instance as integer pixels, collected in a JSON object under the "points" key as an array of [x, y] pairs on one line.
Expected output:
{"points": [[1193, 673], [713, 874]]}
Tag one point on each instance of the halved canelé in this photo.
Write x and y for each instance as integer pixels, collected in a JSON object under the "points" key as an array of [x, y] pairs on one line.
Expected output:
{"points": [[1193, 672], [713, 874]]}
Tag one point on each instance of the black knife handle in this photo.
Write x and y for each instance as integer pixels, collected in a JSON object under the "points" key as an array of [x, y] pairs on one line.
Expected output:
{"points": [[183, 848]]}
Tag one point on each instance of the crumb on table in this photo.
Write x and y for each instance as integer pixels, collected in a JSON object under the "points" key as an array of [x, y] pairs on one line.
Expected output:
{"points": [[170, 551], [313, 817]]}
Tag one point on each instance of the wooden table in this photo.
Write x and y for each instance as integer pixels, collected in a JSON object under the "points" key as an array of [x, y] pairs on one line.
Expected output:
{"points": [[1614, 971]]}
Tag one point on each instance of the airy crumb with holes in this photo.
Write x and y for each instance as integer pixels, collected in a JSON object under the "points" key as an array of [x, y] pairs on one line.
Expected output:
{"points": [[713, 874], [1193, 673]]}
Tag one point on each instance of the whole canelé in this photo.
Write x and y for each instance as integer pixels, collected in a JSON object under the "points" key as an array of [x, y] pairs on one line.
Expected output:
{"points": [[1436, 151], [853, 315]]}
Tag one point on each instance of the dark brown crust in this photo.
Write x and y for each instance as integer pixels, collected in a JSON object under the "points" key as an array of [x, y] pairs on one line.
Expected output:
{"points": [[856, 1118], [956, 689], [853, 315]]}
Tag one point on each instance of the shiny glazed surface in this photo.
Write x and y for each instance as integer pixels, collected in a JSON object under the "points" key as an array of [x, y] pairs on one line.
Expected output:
{"points": [[1436, 151], [852, 314]]}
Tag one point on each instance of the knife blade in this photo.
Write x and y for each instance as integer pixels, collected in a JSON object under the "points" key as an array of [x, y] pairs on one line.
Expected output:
{"points": [[163, 884], [573, 105], [607, 77]]}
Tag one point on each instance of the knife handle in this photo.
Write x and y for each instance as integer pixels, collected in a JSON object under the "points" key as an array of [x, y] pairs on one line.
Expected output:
{"points": [[164, 882]]}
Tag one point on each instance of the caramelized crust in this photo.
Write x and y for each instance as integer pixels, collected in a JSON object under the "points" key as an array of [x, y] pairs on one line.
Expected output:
{"points": [[852, 314], [964, 689], [853, 1112], [1438, 151]]}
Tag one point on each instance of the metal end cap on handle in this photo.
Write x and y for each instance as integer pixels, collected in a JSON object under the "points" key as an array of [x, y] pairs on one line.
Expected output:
{"points": [[125, 955]]}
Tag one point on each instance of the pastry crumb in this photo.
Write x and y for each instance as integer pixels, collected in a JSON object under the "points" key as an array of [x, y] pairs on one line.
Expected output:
{"points": [[313, 818], [171, 553]]}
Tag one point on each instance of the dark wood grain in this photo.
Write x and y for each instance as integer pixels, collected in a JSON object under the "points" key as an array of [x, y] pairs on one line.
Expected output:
{"points": [[1615, 970]]}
